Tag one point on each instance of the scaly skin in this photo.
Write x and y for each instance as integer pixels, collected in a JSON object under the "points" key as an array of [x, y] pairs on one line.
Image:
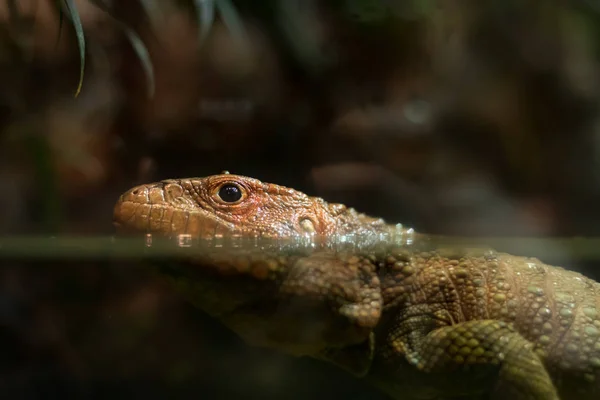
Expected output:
{"points": [[419, 322]]}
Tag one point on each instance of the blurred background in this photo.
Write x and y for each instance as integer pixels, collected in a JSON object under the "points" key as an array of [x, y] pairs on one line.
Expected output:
{"points": [[457, 117]]}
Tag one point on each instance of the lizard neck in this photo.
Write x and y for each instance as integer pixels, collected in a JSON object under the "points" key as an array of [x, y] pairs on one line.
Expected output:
{"points": [[347, 221]]}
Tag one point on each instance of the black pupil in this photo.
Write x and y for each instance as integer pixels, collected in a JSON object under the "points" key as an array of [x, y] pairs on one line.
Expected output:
{"points": [[230, 193]]}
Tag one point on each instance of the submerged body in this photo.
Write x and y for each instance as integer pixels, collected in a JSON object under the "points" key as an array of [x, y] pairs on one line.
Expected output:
{"points": [[419, 322]]}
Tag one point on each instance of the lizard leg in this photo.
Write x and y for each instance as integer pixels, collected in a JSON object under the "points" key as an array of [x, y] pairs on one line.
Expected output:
{"points": [[474, 356], [348, 289]]}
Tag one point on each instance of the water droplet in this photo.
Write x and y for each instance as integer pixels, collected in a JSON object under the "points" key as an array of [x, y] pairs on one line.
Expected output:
{"points": [[184, 240]]}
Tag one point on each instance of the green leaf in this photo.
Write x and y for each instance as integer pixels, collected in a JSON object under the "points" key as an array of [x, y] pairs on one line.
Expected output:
{"points": [[154, 11], [73, 14], [144, 56], [20, 25], [232, 21], [205, 10], [138, 46], [14, 15], [61, 18]]}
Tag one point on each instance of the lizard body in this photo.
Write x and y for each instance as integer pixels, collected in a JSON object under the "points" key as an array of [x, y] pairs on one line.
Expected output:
{"points": [[420, 322]]}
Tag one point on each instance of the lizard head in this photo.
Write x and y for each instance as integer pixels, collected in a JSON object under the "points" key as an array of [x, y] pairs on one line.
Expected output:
{"points": [[233, 205], [302, 303]]}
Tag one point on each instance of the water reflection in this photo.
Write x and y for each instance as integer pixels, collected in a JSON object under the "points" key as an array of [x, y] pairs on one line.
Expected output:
{"points": [[188, 244]]}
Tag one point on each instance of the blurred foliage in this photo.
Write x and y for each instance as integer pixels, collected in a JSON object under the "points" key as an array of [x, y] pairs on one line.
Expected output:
{"points": [[204, 9]]}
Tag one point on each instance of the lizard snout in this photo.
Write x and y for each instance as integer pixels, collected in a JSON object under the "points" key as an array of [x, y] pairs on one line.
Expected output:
{"points": [[165, 208], [128, 212]]}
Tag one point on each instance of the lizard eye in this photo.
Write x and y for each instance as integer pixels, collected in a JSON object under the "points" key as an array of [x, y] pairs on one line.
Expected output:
{"points": [[230, 193]]}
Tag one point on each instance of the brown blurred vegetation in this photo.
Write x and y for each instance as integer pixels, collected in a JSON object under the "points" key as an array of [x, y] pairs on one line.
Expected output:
{"points": [[454, 116]]}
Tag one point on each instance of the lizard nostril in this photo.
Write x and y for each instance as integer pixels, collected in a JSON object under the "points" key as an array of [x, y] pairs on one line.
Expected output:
{"points": [[138, 194]]}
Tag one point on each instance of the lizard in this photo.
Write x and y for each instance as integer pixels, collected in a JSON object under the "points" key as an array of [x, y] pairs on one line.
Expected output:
{"points": [[416, 320]]}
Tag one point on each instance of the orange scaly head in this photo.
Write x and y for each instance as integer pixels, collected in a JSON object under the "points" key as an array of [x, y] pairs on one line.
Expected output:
{"points": [[303, 302], [233, 205]]}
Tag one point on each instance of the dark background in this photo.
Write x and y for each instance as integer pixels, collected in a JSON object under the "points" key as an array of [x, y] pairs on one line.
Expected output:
{"points": [[471, 118]]}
